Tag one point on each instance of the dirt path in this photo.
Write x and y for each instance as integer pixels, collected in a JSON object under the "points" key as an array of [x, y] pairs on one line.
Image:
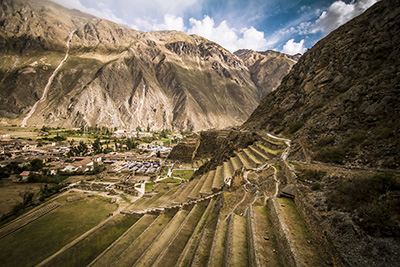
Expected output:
{"points": [[46, 89]]}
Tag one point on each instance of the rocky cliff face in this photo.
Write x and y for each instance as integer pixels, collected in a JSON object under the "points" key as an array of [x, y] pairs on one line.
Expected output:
{"points": [[118, 77], [267, 69], [340, 101]]}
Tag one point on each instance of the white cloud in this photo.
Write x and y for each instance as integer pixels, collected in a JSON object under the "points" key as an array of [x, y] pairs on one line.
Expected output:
{"points": [[228, 37], [339, 13], [101, 11], [292, 48], [171, 22], [141, 15]]}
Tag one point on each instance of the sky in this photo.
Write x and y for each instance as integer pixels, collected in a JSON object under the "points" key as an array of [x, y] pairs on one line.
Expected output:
{"points": [[288, 26]]}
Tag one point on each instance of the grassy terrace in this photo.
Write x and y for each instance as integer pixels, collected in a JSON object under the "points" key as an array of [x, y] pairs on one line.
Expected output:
{"points": [[268, 249], [228, 172], [206, 188], [259, 153], [94, 244], [217, 258], [171, 254], [151, 254], [254, 157], [193, 243], [196, 189], [272, 151], [202, 255], [236, 163], [190, 186], [112, 254], [247, 161], [136, 249], [40, 239], [219, 177], [239, 242], [299, 233]]}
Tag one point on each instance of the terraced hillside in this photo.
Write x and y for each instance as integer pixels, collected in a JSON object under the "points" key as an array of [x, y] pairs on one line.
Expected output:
{"points": [[227, 216]]}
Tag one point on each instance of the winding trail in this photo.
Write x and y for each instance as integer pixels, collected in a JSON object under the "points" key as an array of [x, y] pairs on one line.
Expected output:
{"points": [[276, 181], [46, 89], [285, 154]]}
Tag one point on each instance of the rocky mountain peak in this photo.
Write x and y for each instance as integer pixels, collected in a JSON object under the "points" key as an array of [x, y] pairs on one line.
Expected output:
{"points": [[267, 68]]}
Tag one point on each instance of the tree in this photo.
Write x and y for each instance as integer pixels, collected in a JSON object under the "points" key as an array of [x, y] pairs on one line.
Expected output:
{"points": [[36, 165], [44, 129], [138, 129], [148, 128], [71, 142], [82, 148], [165, 133], [27, 197], [131, 144], [97, 146]]}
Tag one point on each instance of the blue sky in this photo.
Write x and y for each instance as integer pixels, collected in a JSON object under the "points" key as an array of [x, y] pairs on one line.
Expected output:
{"points": [[288, 26]]}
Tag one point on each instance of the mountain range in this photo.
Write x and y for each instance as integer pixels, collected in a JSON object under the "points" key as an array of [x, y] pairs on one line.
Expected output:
{"points": [[114, 76]]}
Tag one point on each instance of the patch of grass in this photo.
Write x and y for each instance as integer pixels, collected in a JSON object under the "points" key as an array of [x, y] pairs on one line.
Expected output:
{"points": [[170, 180], [375, 200], [38, 240], [184, 174], [124, 198], [149, 187]]}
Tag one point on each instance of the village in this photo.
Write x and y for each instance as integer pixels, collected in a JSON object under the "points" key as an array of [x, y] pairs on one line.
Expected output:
{"points": [[121, 164]]}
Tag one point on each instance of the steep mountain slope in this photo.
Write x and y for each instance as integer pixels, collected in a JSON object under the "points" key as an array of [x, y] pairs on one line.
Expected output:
{"points": [[267, 69], [340, 101], [114, 76]]}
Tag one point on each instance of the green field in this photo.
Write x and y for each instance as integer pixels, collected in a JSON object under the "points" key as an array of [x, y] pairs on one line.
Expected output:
{"points": [[183, 174], [38, 240]]}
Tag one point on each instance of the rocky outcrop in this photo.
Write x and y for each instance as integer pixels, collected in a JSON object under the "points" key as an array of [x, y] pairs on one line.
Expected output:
{"points": [[267, 69], [340, 101]]}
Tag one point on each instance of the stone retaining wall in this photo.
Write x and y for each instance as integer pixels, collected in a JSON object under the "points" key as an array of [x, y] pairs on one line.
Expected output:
{"points": [[285, 244], [228, 242], [254, 260], [313, 220]]}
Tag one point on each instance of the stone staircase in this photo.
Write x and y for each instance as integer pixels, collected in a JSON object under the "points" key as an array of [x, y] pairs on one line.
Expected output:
{"points": [[30, 217]]}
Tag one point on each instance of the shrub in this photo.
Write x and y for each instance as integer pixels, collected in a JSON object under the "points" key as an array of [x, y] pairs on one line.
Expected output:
{"points": [[334, 155], [354, 140], [316, 186], [373, 199], [295, 126], [312, 175], [325, 140]]}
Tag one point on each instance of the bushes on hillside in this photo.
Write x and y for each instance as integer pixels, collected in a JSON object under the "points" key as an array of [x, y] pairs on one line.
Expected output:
{"points": [[333, 155], [374, 200]]}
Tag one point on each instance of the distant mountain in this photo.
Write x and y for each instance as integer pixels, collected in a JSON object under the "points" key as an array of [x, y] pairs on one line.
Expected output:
{"points": [[267, 68], [118, 77], [340, 102]]}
